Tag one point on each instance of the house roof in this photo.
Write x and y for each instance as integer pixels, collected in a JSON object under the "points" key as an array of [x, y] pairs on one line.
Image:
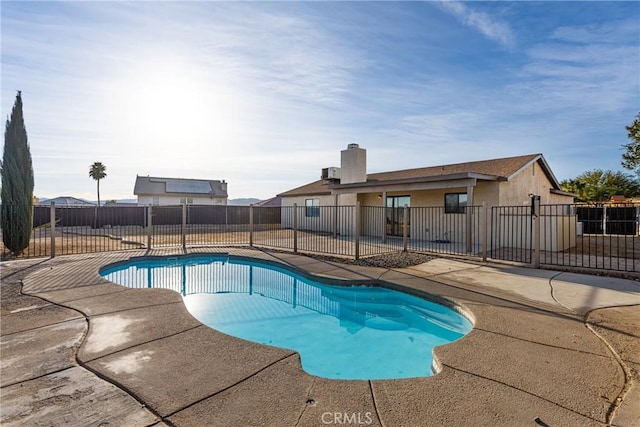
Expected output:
{"points": [[156, 186], [66, 201], [315, 188], [269, 203], [501, 169]]}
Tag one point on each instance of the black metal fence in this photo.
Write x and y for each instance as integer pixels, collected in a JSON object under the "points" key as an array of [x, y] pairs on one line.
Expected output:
{"points": [[602, 237], [511, 233], [434, 230], [593, 237], [608, 219]]}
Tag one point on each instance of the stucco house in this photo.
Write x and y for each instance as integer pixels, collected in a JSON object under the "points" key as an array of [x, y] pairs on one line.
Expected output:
{"points": [[510, 181], [176, 191], [504, 181]]}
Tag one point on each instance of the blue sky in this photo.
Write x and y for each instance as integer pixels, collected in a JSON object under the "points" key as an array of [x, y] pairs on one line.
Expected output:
{"points": [[265, 94]]}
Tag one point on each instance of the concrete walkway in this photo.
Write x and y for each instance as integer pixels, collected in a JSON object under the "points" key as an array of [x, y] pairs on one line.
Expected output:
{"points": [[547, 348]]}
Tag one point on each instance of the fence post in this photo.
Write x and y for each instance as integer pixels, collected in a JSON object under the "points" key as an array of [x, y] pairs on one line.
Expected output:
{"points": [[469, 228], [183, 230], [405, 227], [295, 228], [485, 230], [384, 217], [335, 216], [149, 226], [536, 232], [251, 225], [357, 231], [52, 228]]}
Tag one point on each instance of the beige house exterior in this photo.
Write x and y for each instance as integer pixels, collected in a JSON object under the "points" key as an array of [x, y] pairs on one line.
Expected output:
{"points": [[499, 182], [436, 195], [159, 191]]}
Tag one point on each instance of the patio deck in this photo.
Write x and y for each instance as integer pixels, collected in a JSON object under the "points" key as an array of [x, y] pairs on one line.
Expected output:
{"points": [[547, 348]]}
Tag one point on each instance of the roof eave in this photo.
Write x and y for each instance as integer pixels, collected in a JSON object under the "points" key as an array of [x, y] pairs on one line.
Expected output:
{"points": [[539, 158], [549, 173], [562, 193], [449, 177], [301, 194]]}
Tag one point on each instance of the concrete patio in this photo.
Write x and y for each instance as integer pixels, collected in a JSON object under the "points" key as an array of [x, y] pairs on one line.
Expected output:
{"points": [[548, 349]]}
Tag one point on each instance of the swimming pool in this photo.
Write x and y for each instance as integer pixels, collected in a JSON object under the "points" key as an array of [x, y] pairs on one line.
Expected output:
{"points": [[341, 332]]}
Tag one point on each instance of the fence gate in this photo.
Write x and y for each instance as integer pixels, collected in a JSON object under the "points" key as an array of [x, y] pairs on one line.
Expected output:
{"points": [[511, 233]]}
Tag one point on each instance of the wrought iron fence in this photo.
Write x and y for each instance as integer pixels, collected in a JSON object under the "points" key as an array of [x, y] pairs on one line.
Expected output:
{"points": [[272, 227], [376, 236], [592, 237], [511, 233], [435, 230], [600, 237]]}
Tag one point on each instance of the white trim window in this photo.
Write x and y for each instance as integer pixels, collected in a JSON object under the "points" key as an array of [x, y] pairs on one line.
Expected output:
{"points": [[312, 208]]}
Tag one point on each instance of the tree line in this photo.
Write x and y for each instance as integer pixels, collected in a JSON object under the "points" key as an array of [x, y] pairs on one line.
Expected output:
{"points": [[600, 185]]}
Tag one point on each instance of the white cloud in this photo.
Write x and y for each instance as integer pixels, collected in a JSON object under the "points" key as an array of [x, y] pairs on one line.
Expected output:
{"points": [[583, 70], [487, 25], [266, 94], [196, 90]]}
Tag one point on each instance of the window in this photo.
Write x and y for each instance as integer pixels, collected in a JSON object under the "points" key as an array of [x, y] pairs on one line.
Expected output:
{"points": [[186, 200], [312, 207], [156, 200], [455, 202]]}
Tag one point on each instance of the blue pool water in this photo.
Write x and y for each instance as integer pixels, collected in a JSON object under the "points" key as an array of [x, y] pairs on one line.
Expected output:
{"points": [[356, 332]]}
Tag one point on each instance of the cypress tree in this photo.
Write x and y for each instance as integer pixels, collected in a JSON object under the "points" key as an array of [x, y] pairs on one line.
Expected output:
{"points": [[16, 212]]}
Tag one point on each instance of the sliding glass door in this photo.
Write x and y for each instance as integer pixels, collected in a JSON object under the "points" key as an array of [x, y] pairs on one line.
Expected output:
{"points": [[395, 214]]}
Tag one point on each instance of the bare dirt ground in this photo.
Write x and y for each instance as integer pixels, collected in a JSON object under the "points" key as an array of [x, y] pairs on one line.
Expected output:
{"points": [[87, 240], [607, 245]]}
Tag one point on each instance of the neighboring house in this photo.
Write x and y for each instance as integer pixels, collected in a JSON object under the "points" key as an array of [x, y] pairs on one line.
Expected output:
{"points": [[620, 200], [175, 191], [274, 202], [67, 201], [507, 181]]}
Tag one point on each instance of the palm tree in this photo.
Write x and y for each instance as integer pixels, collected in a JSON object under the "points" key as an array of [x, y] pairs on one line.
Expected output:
{"points": [[98, 171]]}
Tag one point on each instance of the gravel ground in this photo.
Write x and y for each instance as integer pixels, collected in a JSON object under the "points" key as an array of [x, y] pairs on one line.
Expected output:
{"points": [[390, 260]]}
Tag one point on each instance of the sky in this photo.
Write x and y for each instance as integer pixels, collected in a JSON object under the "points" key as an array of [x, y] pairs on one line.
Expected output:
{"points": [[266, 94]]}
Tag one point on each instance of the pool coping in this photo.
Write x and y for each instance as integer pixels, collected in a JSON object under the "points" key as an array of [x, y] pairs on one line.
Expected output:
{"points": [[304, 400]]}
